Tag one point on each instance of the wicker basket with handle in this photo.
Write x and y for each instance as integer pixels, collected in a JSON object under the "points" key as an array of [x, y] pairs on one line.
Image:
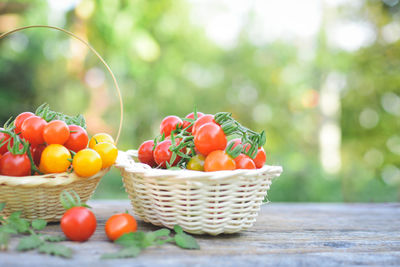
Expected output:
{"points": [[200, 202], [37, 197]]}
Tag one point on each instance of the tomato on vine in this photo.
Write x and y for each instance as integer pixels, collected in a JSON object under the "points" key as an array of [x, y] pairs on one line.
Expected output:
{"points": [[191, 116], [210, 137], [16, 162], [201, 121], [78, 138], [56, 132], [32, 130], [120, 224], [20, 119], [145, 153], [4, 140], [219, 160], [162, 154], [244, 162], [196, 163], [169, 123]]}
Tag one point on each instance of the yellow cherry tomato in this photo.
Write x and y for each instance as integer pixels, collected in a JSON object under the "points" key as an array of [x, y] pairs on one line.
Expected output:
{"points": [[87, 162], [108, 153], [55, 159], [196, 163], [100, 138]]}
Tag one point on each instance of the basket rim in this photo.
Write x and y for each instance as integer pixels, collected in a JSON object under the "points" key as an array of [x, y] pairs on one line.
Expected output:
{"points": [[126, 162], [47, 180]]}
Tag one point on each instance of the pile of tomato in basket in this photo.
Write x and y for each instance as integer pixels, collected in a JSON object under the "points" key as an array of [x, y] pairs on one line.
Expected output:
{"points": [[51, 142], [200, 142]]}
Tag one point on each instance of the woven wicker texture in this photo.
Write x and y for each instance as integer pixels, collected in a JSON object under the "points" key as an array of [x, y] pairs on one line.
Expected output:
{"points": [[200, 202], [38, 197]]}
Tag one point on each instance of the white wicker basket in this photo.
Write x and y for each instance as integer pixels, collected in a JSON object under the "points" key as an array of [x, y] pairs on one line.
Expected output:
{"points": [[200, 202]]}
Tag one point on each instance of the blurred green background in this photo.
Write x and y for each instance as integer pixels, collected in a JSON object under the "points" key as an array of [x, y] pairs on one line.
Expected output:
{"points": [[321, 77]]}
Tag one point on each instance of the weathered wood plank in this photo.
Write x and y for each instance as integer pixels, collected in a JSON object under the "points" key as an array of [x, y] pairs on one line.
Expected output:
{"points": [[284, 234]]}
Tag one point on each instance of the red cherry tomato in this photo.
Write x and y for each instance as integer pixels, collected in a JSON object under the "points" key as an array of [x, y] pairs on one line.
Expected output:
{"points": [[191, 116], [4, 140], [20, 119], [210, 137], [120, 224], [56, 132], [162, 154], [78, 138], [244, 162], [32, 130], [169, 124], [146, 153], [37, 153], [260, 158], [78, 224], [201, 121], [218, 160], [15, 165]]}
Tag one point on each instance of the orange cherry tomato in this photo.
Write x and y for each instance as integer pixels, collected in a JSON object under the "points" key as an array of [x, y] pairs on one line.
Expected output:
{"points": [[260, 158], [120, 224], [55, 159], [219, 160], [210, 137], [87, 162], [56, 132]]}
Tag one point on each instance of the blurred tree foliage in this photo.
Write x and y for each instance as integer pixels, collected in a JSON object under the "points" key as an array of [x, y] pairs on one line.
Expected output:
{"points": [[166, 65]]}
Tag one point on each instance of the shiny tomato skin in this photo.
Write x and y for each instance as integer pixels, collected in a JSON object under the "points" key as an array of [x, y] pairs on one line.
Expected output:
{"points": [[120, 224], [210, 137], [78, 224], [219, 160], [55, 158], [260, 158], [37, 153], [145, 153], [87, 162], [168, 124], [101, 138], [56, 132], [244, 162], [32, 130], [108, 153], [78, 138], [4, 138], [15, 165], [201, 121], [20, 119], [191, 116], [162, 154], [196, 163]]}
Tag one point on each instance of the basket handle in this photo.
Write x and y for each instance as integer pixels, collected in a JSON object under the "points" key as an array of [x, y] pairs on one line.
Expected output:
{"points": [[91, 49]]}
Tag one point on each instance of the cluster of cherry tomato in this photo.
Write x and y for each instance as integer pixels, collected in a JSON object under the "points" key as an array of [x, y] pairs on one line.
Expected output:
{"points": [[200, 142], [79, 223], [42, 144]]}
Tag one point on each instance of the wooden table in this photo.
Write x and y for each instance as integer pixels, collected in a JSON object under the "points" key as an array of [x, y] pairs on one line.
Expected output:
{"points": [[284, 235]]}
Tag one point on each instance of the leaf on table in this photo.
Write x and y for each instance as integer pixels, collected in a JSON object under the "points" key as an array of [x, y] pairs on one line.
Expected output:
{"points": [[54, 238], [178, 229], [39, 224], [16, 222], [56, 250], [186, 241], [128, 252], [29, 242], [131, 239]]}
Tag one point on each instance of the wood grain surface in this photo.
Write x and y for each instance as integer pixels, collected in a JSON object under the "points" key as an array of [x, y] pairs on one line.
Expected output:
{"points": [[284, 235]]}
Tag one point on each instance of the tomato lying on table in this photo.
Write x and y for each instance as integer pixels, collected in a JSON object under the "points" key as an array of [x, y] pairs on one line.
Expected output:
{"points": [[78, 224], [120, 224]]}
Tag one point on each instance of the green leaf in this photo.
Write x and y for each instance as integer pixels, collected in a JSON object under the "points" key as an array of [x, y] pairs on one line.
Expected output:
{"points": [[2, 205], [21, 225], [29, 242], [54, 238], [39, 224], [178, 229], [131, 239], [186, 241], [128, 252], [162, 232], [56, 250]]}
